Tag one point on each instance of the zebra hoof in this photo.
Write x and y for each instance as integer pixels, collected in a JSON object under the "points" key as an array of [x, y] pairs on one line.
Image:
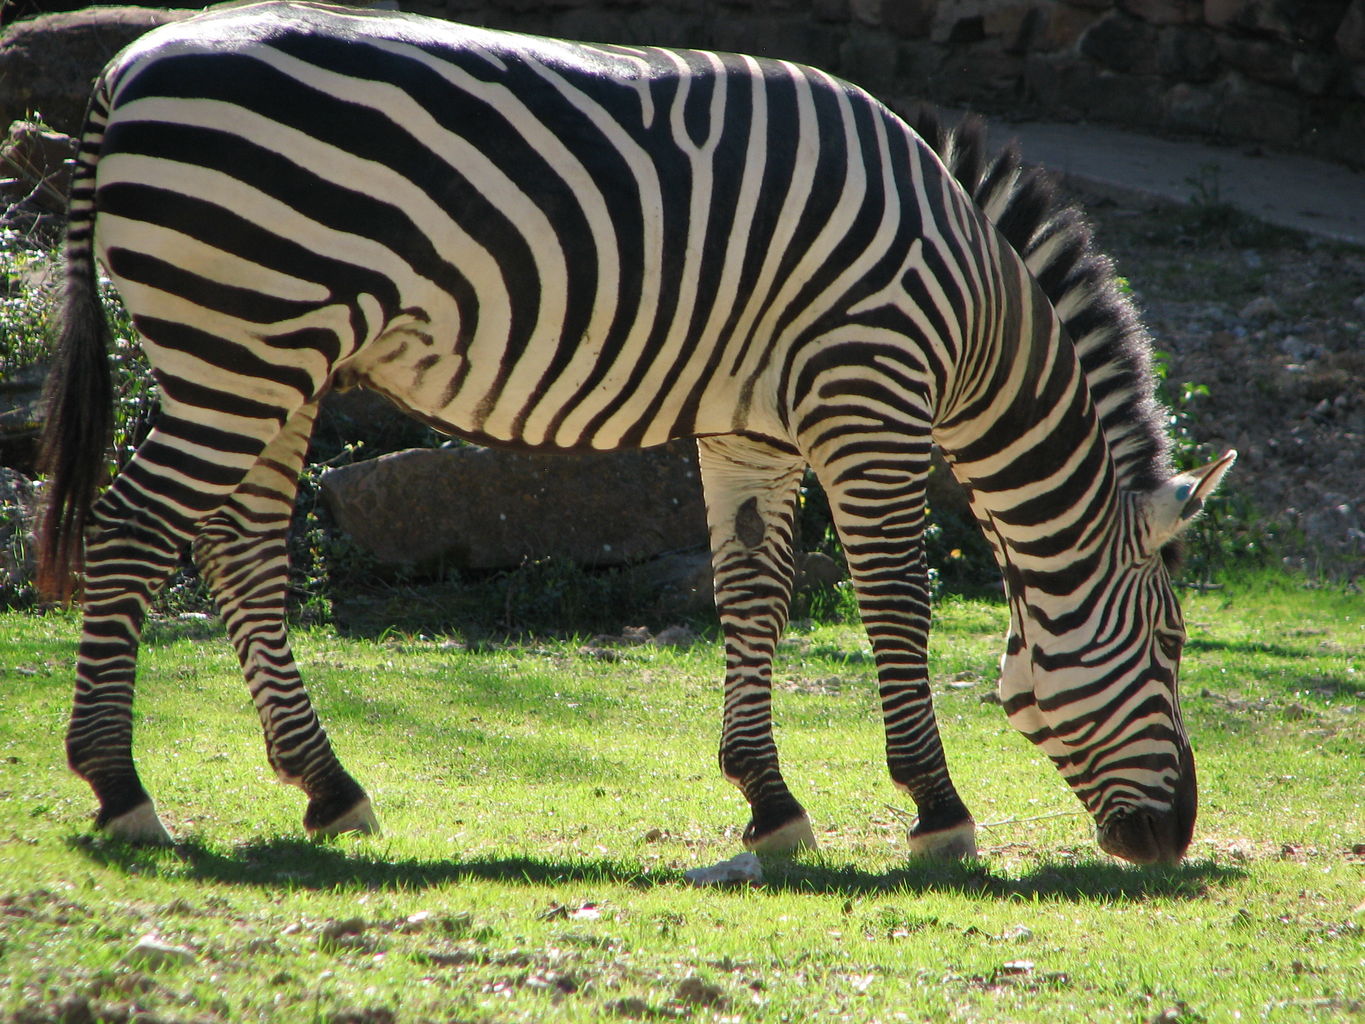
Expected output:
{"points": [[956, 843], [360, 818], [794, 835], [140, 826]]}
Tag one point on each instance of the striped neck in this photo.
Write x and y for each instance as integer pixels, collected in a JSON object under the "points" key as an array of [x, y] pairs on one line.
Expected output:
{"points": [[1022, 435]]}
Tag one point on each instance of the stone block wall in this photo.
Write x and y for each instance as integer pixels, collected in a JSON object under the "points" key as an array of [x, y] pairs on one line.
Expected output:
{"points": [[1289, 73]]}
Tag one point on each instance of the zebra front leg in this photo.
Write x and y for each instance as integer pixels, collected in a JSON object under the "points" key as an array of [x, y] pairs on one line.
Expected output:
{"points": [[750, 491], [880, 518], [242, 551]]}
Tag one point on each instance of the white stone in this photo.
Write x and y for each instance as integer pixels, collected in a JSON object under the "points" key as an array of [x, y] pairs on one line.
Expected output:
{"points": [[745, 869], [151, 953]]}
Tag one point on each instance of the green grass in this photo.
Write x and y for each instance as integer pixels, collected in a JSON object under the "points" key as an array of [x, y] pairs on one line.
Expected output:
{"points": [[540, 805]]}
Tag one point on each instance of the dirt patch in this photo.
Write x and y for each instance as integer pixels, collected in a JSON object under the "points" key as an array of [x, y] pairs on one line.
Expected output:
{"points": [[1272, 323]]}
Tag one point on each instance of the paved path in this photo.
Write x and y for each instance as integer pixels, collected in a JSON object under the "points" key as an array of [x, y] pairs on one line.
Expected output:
{"points": [[1298, 192]]}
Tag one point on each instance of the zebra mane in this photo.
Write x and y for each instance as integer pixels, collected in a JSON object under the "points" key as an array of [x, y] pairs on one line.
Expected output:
{"points": [[1056, 245]]}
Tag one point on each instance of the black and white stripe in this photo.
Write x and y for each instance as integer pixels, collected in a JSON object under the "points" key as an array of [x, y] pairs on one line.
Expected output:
{"points": [[562, 246]]}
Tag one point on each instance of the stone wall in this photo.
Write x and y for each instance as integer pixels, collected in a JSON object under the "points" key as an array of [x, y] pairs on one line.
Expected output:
{"points": [[1288, 73]]}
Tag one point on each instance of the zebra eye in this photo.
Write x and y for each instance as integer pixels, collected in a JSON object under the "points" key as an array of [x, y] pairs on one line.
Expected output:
{"points": [[1171, 643]]}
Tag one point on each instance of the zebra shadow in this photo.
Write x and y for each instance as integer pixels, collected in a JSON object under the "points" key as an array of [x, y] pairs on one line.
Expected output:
{"points": [[328, 866]]}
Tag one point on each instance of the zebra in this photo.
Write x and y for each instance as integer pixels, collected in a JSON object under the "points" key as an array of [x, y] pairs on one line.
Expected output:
{"points": [[561, 246]]}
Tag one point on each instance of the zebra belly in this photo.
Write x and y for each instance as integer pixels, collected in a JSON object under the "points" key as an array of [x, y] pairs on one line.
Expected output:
{"points": [[523, 406]]}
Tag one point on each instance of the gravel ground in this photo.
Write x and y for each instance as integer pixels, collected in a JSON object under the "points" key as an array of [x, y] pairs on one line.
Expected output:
{"points": [[1273, 324]]}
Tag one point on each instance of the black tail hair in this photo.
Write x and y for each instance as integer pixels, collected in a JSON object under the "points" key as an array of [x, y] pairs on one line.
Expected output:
{"points": [[79, 392]]}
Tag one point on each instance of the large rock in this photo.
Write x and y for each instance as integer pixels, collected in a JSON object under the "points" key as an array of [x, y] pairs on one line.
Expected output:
{"points": [[21, 415], [33, 166], [47, 64], [1350, 34], [481, 508], [18, 514], [34, 178], [1313, 22]]}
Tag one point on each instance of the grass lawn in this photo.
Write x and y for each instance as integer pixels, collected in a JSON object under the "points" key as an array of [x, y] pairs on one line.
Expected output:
{"points": [[541, 802]]}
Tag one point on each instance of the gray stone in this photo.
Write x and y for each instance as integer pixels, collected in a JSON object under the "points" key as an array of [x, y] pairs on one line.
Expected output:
{"points": [[1264, 60], [830, 10], [1350, 34], [1189, 108], [34, 158], [1261, 309], [815, 569], [1251, 110], [983, 71], [870, 59], [21, 416], [744, 869], [1165, 12], [1311, 22], [681, 579], [1188, 54], [1058, 83], [48, 63], [1063, 26], [482, 508], [1121, 43], [151, 954], [1315, 74], [867, 12], [911, 19], [18, 517]]}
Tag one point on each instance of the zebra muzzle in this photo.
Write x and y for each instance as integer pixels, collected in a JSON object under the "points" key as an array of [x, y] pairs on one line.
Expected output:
{"points": [[1156, 835]]}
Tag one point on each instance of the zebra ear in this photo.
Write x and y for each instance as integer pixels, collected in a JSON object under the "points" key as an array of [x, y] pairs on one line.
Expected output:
{"points": [[1177, 503]]}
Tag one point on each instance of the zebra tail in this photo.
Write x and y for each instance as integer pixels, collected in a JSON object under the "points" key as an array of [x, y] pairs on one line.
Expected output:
{"points": [[78, 396]]}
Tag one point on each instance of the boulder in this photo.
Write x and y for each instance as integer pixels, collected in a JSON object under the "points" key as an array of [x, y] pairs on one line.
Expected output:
{"points": [[18, 512], [21, 416], [47, 64], [483, 508], [1121, 43], [1311, 22], [1350, 34], [34, 177], [1187, 54], [33, 166], [1165, 12]]}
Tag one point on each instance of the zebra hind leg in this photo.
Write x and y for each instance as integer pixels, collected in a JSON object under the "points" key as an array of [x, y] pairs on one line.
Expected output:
{"points": [[138, 529], [750, 491], [242, 551]]}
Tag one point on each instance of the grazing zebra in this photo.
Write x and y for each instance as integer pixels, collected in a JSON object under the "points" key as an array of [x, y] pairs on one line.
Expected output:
{"points": [[559, 246]]}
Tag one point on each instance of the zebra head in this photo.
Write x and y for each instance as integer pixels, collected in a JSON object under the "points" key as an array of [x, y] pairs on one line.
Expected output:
{"points": [[1093, 681]]}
